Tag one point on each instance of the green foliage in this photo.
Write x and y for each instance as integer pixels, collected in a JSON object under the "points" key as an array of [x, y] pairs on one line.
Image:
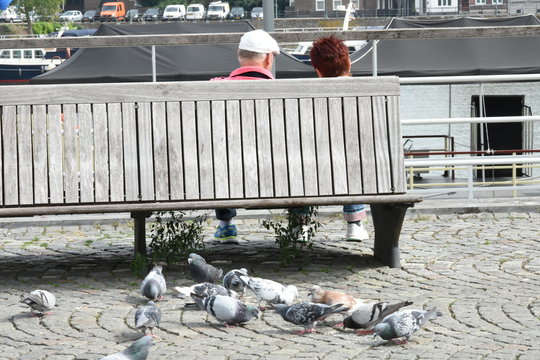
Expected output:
{"points": [[291, 238], [44, 8], [5, 29], [45, 27], [139, 265], [174, 237]]}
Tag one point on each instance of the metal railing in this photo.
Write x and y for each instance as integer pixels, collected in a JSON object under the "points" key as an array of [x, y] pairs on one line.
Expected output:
{"points": [[473, 161]]}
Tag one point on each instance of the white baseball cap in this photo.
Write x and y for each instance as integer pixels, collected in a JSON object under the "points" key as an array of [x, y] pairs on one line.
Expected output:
{"points": [[259, 41]]}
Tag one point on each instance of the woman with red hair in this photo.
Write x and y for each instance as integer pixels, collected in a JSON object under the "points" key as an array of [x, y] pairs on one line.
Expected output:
{"points": [[330, 58]]}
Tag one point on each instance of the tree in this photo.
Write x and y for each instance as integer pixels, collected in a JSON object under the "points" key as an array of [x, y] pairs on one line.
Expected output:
{"points": [[41, 8]]}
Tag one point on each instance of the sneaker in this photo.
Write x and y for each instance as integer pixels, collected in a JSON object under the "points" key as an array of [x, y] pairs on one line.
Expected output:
{"points": [[226, 234], [356, 232]]}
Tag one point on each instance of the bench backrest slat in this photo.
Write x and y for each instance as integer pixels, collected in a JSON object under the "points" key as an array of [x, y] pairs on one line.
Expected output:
{"points": [[222, 140]]}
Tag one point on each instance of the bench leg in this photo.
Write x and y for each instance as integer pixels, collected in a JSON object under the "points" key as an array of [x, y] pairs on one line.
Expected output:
{"points": [[387, 220], [140, 231]]}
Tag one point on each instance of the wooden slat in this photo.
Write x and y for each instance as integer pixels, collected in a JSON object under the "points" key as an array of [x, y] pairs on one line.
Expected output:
{"points": [[41, 180], [380, 133], [264, 149], [279, 148], [396, 150], [189, 140], [234, 142], [86, 157], [204, 144], [367, 148], [55, 150], [24, 144], [309, 153], [174, 140], [249, 149], [117, 170], [198, 90], [294, 154], [219, 146], [337, 147], [159, 140], [71, 176], [324, 167], [146, 160], [9, 136], [101, 153], [1, 159], [352, 146], [131, 163]]}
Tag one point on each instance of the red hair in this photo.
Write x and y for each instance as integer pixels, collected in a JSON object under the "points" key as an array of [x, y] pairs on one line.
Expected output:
{"points": [[330, 56]]}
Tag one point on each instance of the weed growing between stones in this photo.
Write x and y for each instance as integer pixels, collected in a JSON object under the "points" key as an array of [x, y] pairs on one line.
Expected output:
{"points": [[174, 237], [296, 234]]}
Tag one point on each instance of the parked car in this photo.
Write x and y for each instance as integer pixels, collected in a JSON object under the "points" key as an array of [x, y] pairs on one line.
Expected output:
{"points": [[153, 14], [195, 12], [90, 16], [71, 16], [174, 12], [257, 13], [33, 16], [10, 15], [134, 15], [238, 13]]}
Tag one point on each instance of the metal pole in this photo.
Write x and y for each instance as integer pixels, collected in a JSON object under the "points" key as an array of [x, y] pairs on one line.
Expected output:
{"points": [[154, 77], [374, 57]]}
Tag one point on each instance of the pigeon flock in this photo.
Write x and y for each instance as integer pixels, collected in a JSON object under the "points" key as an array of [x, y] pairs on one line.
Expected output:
{"points": [[225, 303]]}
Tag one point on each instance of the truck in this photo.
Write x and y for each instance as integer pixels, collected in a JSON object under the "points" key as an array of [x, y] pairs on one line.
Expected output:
{"points": [[195, 12], [218, 10], [113, 11]]}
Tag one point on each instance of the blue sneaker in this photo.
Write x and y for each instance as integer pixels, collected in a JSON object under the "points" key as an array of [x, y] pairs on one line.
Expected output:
{"points": [[226, 234]]}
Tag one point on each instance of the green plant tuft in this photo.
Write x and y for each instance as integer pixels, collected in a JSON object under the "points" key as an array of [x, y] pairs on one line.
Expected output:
{"points": [[139, 265], [289, 236], [174, 236]]}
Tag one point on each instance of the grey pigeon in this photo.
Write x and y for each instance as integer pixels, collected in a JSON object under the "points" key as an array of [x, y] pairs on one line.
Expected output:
{"points": [[153, 285], [136, 351], [232, 282], [368, 315], [270, 291], [204, 290], [147, 317], [404, 323], [202, 272], [226, 309], [39, 301], [307, 313]]}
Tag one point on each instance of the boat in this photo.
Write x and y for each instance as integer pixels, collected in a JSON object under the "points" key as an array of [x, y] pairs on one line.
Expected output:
{"points": [[20, 65]]}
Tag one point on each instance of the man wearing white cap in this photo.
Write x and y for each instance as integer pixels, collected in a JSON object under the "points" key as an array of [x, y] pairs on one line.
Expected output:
{"points": [[256, 57]]}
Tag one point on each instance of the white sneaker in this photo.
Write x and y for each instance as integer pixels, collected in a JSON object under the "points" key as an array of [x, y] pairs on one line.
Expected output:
{"points": [[356, 232]]}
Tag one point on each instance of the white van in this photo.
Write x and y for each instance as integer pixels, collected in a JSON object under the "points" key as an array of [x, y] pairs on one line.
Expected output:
{"points": [[195, 12], [174, 12], [218, 10]]}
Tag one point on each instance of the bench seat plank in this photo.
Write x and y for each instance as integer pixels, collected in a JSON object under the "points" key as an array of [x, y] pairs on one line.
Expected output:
{"points": [[264, 149], [175, 152], [158, 131], [279, 153], [86, 158], [205, 150], [101, 154], [39, 128], [24, 145]]}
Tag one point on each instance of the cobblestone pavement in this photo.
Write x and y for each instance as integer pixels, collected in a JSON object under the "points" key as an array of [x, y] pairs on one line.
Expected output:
{"points": [[481, 270]]}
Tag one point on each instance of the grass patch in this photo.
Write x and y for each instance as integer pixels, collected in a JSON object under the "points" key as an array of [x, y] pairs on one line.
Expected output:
{"points": [[88, 242]]}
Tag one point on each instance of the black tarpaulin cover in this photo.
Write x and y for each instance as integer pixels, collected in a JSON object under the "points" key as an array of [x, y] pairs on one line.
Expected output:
{"points": [[453, 57], [173, 63]]}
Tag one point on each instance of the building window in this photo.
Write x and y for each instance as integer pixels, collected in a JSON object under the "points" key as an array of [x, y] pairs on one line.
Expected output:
{"points": [[445, 2], [337, 4], [291, 3], [480, 2], [498, 2], [319, 5]]}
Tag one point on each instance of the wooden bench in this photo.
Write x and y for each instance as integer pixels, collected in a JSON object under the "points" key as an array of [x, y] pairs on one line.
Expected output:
{"points": [[143, 147]]}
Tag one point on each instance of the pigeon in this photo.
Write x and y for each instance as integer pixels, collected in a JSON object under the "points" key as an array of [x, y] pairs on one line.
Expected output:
{"points": [[307, 313], [205, 290], [153, 286], [147, 317], [404, 323], [226, 309], [330, 297], [269, 291], [368, 315], [39, 301], [202, 272], [136, 351], [232, 282]]}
